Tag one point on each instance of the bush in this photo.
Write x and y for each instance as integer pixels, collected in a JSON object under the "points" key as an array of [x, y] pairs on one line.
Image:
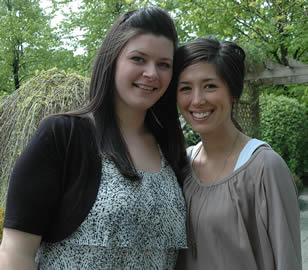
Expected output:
{"points": [[284, 125], [191, 137], [297, 91], [49, 92], [299, 184], [1, 221]]}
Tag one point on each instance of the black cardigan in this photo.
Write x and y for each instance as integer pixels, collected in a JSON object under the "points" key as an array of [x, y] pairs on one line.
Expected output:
{"points": [[55, 180]]}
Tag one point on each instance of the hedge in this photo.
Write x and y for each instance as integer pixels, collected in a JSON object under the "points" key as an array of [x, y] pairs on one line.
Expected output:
{"points": [[284, 125]]}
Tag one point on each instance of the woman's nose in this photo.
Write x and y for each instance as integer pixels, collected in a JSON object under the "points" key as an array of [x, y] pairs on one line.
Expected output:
{"points": [[197, 97], [150, 72]]}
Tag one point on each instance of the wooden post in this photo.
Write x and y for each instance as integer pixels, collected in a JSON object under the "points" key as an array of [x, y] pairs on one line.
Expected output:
{"points": [[255, 110]]}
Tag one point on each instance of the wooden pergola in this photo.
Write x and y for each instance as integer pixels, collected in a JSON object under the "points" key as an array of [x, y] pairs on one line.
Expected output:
{"points": [[272, 74]]}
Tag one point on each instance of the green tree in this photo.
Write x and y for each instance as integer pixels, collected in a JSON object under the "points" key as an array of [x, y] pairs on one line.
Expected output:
{"points": [[27, 42], [91, 21], [278, 28], [275, 29]]}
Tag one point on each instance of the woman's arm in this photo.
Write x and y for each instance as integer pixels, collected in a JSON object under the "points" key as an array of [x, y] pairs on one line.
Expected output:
{"points": [[282, 213], [36, 186], [18, 250]]}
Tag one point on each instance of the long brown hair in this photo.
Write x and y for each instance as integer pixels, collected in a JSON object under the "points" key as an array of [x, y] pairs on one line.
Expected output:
{"points": [[148, 20]]}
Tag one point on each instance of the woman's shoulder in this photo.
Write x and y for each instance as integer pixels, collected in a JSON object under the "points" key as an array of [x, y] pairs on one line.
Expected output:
{"points": [[274, 172], [192, 150], [270, 167], [64, 124], [268, 156], [64, 120], [63, 130]]}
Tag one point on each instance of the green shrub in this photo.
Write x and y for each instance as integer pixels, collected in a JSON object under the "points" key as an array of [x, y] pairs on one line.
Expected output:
{"points": [[284, 125], [191, 137], [299, 184], [49, 92], [297, 91], [1, 221]]}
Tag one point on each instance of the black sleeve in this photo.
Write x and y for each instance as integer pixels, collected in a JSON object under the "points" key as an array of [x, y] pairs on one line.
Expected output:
{"points": [[36, 182]]}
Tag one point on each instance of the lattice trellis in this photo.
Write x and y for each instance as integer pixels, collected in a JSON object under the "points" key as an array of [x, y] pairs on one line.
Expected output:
{"points": [[247, 112]]}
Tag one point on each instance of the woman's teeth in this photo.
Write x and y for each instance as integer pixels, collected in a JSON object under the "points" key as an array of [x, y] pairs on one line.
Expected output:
{"points": [[201, 115], [146, 87]]}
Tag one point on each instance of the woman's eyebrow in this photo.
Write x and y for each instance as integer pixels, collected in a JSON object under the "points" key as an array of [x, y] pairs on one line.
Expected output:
{"points": [[204, 80], [184, 82], [145, 54]]}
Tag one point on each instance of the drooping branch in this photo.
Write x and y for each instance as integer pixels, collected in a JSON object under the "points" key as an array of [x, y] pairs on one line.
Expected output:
{"points": [[276, 56], [243, 33], [296, 53], [9, 5], [302, 53], [21, 112], [264, 38]]}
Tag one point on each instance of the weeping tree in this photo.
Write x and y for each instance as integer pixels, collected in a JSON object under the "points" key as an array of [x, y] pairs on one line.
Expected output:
{"points": [[47, 93]]}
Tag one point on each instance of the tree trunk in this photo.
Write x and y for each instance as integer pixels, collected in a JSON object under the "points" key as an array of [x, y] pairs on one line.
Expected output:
{"points": [[15, 65], [15, 60]]}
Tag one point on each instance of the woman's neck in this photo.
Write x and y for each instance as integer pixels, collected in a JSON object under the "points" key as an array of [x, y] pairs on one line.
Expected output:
{"points": [[218, 154], [219, 144], [132, 123]]}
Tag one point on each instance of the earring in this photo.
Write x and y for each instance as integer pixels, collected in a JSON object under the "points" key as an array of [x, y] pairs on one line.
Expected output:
{"points": [[233, 110]]}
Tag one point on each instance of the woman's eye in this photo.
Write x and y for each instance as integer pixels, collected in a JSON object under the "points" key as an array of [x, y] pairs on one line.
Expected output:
{"points": [[164, 65], [210, 86], [185, 88], [137, 59]]}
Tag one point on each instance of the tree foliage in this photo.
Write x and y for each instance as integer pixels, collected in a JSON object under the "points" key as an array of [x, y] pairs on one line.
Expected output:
{"points": [[277, 28], [26, 39], [91, 22], [28, 43]]}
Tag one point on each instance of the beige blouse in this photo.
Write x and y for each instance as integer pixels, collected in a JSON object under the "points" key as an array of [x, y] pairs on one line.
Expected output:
{"points": [[246, 221]]}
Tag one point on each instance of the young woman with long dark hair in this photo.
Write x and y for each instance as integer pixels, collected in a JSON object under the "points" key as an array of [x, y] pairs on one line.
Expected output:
{"points": [[100, 188]]}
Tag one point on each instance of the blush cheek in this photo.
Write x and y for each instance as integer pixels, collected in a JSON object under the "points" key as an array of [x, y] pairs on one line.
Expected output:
{"points": [[181, 105]]}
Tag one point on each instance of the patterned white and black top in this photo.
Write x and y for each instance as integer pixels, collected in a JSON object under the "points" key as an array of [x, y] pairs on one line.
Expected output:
{"points": [[132, 225]]}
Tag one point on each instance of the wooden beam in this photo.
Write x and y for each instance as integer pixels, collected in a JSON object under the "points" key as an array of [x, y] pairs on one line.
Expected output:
{"points": [[280, 80], [273, 73]]}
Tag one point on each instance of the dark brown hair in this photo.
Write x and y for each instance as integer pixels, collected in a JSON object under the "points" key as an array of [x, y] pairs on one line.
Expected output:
{"points": [[148, 20], [227, 57]]}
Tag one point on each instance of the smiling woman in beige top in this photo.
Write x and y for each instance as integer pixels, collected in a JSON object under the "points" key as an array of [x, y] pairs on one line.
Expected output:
{"points": [[242, 204]]}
